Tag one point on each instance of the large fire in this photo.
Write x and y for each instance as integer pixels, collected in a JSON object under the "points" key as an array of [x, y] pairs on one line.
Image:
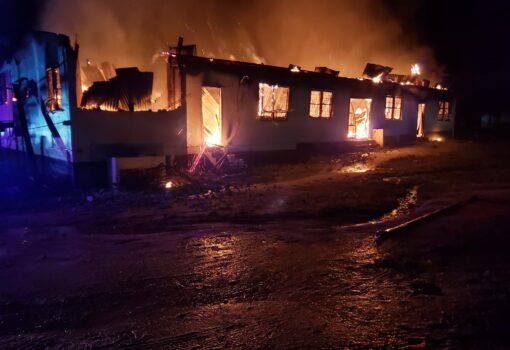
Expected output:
{"points": [[211, 116], [359, 119], [362, 127], [378, 79], [213, 139], [415, 69]]}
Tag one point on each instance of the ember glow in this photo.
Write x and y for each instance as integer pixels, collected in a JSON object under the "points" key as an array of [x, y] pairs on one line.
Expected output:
{"points": [[102, 107], [356, 168]]}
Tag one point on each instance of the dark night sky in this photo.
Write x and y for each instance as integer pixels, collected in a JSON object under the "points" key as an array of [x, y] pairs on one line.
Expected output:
{"points": [[16, 18], [468, 38]]}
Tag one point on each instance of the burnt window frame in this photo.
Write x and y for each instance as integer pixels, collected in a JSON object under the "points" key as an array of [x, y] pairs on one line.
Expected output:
{"points": [[260, 104], [443, 114], [392, 108], [53, 89], [321, 104]]}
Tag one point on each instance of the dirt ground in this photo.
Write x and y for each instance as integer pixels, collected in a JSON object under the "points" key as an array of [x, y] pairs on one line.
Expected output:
{"points": [[282, 257]]}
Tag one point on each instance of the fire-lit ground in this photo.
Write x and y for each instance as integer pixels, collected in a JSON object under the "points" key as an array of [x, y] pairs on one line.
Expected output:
{"points": [[285, 258]]}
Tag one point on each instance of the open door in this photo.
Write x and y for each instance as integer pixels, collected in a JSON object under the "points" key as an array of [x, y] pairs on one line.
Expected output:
{"points": [[419, 123], [359, 118], [211, 116]]}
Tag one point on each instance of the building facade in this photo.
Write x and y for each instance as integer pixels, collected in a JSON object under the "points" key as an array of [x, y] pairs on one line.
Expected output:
{"points": [[247, 108]]}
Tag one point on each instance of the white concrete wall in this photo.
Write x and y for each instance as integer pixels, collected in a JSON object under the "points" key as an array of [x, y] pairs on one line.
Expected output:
{"points": [[432, 124], [242, 129], [244, 132], [99, 135], [402, 127]]}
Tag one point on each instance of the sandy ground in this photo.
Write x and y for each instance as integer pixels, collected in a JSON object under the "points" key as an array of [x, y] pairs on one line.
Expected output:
{"points": [[284, 257]]}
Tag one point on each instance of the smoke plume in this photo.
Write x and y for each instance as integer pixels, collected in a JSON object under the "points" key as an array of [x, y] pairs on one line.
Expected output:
{"points": [[343, 35], [17, 19]]}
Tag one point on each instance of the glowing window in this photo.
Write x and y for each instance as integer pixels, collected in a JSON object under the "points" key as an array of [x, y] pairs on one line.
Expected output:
{"points": [[444, 111], [53, 90], [393, 108], [320, 104], [273, 102]]}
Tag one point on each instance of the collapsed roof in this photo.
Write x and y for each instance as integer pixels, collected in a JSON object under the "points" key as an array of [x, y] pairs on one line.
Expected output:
{"points": [[129, 90], [373, 70], [379, 73]]}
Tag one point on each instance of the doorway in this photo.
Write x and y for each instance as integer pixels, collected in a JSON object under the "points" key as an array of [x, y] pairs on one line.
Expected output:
{"points": [[211, 116], [359, 118], [419, 123]]}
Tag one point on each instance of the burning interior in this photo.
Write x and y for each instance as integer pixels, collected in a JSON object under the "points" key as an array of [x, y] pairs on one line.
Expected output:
{"points": [[273, 102], [211, 115], [359, 118], [321, 104]]}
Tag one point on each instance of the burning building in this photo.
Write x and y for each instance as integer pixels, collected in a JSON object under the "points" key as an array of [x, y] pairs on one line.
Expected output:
{"points": [[89, 121]]}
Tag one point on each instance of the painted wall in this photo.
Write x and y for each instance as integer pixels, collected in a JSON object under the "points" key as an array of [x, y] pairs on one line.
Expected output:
{"points": [[99, 135]]}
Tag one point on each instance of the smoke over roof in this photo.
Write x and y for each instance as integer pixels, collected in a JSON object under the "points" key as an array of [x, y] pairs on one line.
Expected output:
{"points": [[343, 35], [17, 19]]}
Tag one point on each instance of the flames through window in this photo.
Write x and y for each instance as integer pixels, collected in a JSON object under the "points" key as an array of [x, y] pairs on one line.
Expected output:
{"points": [[53, 89], [444, 111], [393, 108], [273, 102], [320, 104]]}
